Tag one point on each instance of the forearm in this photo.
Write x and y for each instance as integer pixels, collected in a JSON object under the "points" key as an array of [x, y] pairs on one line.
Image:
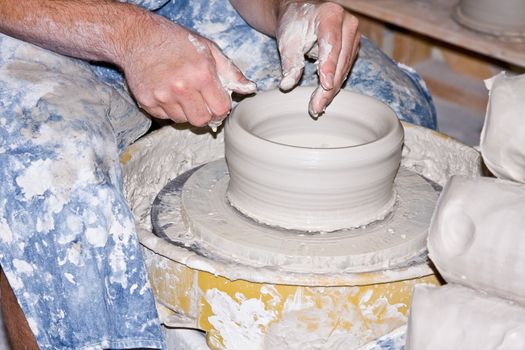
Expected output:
{"points": [[99, 30], [260, 14]]}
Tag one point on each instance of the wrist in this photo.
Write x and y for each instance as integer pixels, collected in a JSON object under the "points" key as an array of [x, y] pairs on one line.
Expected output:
{"points": [[127, 39]]}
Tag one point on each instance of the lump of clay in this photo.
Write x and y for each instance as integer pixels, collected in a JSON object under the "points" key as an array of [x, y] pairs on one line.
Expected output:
{"points": [[456, 317], [477, 235], [503, 135]]}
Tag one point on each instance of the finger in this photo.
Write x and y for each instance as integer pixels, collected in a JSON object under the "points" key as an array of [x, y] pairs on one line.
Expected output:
{"points": [[296, 36], [355, 52], [217, 100], [349, 49], [156, 112], [215, 95], [292, 62], [355, 48], [329, 38], [195, 109], [319, 100], [230, 75], [175, 113], [291, 77], [292, 50], [321, 97]]}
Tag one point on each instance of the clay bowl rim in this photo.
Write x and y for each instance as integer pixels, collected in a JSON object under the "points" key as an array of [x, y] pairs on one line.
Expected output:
{"points": [[387, 140]]}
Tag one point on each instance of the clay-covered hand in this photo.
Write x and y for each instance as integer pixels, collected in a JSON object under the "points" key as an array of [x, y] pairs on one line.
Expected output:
{"points": [[321, 30], [176, 74]]}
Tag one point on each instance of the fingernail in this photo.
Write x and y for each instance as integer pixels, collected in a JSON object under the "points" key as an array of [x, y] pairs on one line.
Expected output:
{"points": [[314, 113], [317, 112], [291, 78]]}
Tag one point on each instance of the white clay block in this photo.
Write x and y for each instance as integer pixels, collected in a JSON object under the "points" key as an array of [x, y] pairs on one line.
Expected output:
{"points": [[503, 135], [455, 317], [477, 235]]}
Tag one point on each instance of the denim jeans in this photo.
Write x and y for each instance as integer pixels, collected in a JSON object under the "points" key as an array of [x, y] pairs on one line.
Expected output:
{"points": [[68, 244]]}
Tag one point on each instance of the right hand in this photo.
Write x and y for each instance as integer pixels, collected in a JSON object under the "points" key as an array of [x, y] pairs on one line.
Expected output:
{"points": [[305, 24], [176, 74]]}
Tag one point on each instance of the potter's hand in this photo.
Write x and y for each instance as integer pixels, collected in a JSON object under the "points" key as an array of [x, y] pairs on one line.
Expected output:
{"points": [[173, 73], [176, 74], [321, 30]]}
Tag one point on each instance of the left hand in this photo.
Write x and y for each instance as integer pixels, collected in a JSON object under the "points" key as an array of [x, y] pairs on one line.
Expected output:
{"points": [[322, 30]]}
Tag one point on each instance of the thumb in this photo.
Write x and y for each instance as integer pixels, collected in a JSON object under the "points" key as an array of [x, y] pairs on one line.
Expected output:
{"points": [[230, 75]]}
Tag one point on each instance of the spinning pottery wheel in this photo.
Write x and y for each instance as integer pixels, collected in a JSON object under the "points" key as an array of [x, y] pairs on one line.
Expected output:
{"points": [[339, 203], [211, 226], [253, 285]]}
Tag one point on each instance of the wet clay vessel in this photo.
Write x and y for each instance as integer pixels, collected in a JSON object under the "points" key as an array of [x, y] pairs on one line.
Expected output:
{"points": [[292, 171]]}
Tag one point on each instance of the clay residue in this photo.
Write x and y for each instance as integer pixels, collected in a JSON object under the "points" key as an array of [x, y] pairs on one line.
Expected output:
{"points": [[161, 156]]}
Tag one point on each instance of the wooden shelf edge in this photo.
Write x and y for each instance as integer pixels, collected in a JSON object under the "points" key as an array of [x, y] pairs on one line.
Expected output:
{"points": [[432, 18]]}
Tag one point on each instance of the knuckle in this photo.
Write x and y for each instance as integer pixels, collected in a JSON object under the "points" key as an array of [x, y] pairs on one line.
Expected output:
{"points": [[204, 76], [161, 95], [156, 112], [223, 109], [176, 114], [146, 104], [328, 68], [354, 22], [209, 80], [179, 86]]}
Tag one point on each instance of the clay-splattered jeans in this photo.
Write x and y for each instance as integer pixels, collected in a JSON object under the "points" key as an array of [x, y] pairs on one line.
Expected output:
{"points": [[67, 239]]}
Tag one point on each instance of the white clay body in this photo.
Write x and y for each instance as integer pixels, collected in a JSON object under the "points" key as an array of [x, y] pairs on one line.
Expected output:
{"points": [[150, 163], [503, 134], [455, 317], [292, 171], [477, 235], [219, 228]]}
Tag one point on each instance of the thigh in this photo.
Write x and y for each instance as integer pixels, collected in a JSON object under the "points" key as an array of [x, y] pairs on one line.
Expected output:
{"points": [[67, 239], [32, 75]]}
